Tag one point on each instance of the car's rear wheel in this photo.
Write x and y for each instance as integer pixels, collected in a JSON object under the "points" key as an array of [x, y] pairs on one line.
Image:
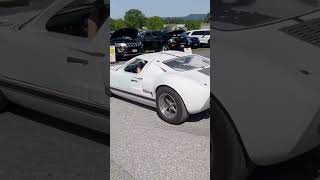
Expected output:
{"points": [[3, 102], [228, 160], [170, 106]]}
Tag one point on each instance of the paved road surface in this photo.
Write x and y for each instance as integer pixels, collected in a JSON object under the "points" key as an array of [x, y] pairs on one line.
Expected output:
{"points": [[145, 147], [38, 147]]}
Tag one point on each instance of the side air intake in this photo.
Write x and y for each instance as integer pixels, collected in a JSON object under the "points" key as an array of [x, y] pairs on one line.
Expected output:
{"points": [[308, 31]]}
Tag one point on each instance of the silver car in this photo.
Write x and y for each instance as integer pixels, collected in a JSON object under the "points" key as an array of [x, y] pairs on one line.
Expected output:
{"points": [[54, 61]]}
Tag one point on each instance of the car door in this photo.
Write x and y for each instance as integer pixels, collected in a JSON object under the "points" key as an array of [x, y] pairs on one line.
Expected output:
{"points": [[198, 34], [206, 36], [131, 80], [61, 68], [149, 41]]}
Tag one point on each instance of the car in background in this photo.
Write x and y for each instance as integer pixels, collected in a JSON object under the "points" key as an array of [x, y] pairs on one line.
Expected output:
{"points": [[125, 43], [164, 40], [194, 42], [162, 80], [203, 35]]}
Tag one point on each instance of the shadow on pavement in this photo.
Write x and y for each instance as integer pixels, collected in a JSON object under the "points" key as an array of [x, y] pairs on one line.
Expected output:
{"points": [[305, 167], [62, 125], [192, 118]]}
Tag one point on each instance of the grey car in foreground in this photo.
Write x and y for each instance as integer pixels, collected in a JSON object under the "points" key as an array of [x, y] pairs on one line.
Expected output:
{"points": [[50, 62], [266, 98]]}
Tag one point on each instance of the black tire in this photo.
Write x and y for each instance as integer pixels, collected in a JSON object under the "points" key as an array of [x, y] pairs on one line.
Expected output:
{"points": [[228, 160], [181, 112], [3, 102]]}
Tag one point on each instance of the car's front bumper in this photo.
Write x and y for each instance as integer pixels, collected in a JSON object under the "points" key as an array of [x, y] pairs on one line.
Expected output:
{"points": [[127, 53]]}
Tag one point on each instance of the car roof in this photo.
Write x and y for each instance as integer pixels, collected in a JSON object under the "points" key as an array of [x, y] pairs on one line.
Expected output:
{"points": [[200, 30], [162, 56]]}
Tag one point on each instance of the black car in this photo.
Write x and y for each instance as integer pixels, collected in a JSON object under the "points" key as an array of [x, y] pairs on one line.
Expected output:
{"points": [[195, 42], [164, 40], [125, 43]]}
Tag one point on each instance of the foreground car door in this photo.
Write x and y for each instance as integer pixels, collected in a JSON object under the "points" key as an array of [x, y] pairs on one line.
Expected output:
{"points": [[61, 71]]}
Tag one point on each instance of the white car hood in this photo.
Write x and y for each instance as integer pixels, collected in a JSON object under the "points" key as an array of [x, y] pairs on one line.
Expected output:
{"points": [[7, 21], [115, 67]]}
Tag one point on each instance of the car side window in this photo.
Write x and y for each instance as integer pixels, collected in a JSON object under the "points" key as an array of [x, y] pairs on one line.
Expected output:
{"points": [[195, 33], [82, 18], [202, 33], [136, 66]]}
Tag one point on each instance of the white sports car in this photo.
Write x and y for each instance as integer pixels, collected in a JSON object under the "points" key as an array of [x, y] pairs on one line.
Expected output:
{"points": [[176, 83]]}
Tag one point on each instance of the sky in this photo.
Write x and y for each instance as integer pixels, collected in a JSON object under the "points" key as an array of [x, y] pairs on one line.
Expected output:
{"points": [[162, 8]]}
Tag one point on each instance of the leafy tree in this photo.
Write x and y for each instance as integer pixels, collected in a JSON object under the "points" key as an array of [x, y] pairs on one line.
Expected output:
{"points": [[174, 20], [155, 23], [193, 24], [134, 18], [207, 18], [168, 28], [117, 24]]}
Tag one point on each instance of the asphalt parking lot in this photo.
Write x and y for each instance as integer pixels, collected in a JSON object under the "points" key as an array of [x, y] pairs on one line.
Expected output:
{"points": [[38, 147], [145, 147]]}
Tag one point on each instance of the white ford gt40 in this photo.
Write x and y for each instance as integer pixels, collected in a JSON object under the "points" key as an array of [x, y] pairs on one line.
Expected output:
{"points": [[176, 83]]}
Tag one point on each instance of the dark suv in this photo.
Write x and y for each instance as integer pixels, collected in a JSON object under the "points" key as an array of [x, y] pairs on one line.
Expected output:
{"points": [[164, 40], [126, 45]]}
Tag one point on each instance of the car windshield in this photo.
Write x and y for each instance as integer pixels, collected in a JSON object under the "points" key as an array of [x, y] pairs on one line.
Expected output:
{"points": [[160, 33], [239, 14], [11, 7], [187, 63], [182, 34]]}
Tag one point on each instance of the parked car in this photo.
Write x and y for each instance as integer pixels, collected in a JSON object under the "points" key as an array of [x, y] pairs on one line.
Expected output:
{"points": [[49, 64], [164, 40], [125, 42], [203, 35], [266, 98], [163, 80], [195, 42]]}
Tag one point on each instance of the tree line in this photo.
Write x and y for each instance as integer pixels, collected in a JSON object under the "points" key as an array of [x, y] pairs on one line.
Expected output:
{"points": [[134, 18]]}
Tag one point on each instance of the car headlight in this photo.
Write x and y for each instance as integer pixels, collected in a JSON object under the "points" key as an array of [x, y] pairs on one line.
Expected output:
{"points": [[121, 45]]}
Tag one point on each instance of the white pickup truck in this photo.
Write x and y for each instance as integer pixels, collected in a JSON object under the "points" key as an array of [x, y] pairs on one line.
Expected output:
{"points": [[49, 64]]}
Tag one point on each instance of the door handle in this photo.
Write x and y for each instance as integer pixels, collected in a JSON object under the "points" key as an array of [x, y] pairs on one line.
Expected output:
{"points": [[77, 60], [138, 78], [132, 80]]}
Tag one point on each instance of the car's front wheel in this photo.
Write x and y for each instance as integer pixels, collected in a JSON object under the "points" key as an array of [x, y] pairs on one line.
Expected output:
{"points": [[228, 160], [3, 102], [170, 106]]}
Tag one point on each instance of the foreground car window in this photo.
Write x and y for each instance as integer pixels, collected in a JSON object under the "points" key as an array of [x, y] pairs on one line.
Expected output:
{"points": [[242, 14], [80, 18], [17, 6], [187, 63]]}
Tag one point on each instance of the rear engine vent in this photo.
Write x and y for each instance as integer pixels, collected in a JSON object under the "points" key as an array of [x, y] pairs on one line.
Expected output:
{"points": [[308, 31]]}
